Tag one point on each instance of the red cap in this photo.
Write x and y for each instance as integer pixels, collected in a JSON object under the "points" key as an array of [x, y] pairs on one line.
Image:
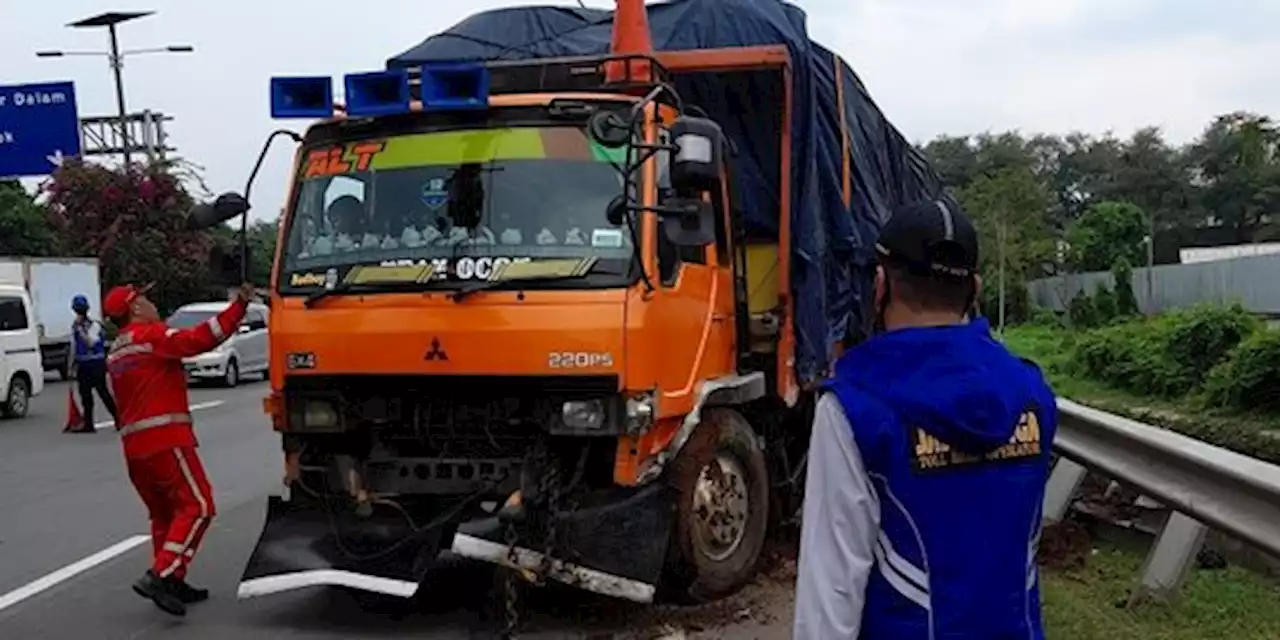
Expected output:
{"points": [[118, 300]]}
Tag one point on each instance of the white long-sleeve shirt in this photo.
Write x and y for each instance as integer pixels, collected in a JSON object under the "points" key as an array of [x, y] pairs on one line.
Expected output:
{"points": [[841, 520]]}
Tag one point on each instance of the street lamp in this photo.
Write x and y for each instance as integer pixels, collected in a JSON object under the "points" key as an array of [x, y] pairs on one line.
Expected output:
{"points": [[116, 58]]}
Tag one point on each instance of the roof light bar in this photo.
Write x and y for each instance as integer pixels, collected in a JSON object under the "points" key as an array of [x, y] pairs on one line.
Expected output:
{"points": [[301, 97], [377, 93], [454, 86]]}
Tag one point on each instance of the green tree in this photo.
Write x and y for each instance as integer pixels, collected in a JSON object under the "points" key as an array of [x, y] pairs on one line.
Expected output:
{"points": [[1085, 171], [135, 222], [1155, 177], [1126, 301], [955, 160], [1009, 210], [1108, 231], [1238, 161], [1106, 308], [24, 227]]}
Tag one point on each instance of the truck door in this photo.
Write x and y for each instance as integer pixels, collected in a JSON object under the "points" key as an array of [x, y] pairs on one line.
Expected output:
{"points": [[695, 311]]}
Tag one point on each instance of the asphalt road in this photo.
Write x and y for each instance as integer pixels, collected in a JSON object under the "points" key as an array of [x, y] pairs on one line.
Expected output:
{"points": [[72, 539]]}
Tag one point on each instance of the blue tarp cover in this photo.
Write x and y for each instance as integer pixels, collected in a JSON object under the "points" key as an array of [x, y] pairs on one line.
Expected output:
{"points": [[832, 244]]}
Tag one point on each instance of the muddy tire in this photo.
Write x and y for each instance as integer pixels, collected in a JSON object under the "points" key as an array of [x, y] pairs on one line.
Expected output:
{"points": [[722, 518]]}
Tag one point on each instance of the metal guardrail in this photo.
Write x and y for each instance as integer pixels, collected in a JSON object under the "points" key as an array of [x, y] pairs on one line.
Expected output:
{"points": [[1203, 485]]}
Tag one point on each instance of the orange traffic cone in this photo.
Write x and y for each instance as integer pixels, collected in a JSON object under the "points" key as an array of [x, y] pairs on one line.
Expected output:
{"points": [[75, 417], [631, 36]]}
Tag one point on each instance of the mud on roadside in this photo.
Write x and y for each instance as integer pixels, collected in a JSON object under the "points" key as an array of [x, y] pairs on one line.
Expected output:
{"points": [[761, 610]]}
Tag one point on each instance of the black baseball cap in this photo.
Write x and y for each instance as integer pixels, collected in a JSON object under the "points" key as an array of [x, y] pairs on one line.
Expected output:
{"points": [[930, 237]]}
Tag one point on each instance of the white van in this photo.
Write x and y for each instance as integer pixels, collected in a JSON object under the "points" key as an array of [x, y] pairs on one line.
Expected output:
{"points": [[21, 366], [243, 353]]}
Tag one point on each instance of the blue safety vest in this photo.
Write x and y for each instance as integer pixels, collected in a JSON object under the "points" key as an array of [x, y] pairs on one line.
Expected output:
{"points": [[90, 341], [955, 434]]}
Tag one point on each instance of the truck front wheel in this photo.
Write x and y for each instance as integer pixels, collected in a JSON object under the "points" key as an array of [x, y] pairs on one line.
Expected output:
{"points": [[723, 513]]}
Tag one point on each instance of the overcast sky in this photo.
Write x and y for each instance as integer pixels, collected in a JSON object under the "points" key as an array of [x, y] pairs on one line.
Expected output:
{"points": [[934, 66]]}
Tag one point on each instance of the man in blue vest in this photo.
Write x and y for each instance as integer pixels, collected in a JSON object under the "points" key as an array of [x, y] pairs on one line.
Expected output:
{"points": [[928, 459], [89, 361]]}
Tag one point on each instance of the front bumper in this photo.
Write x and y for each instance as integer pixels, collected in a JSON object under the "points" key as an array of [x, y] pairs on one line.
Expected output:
{"points": [[305, 545], [615, 545], [206, 365]]}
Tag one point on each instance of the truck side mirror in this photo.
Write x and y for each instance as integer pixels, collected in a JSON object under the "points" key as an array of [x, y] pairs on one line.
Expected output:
{"points": [[609, 129], [692, 227], [209, 215], [696, 162], [617, 211]]}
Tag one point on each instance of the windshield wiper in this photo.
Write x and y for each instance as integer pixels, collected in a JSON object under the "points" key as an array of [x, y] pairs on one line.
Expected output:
{"points": [[470, 288], [316, 296], [347, 287]]}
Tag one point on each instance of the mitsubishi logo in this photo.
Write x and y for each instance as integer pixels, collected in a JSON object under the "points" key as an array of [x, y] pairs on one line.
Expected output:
{"points": [[436, 352]]}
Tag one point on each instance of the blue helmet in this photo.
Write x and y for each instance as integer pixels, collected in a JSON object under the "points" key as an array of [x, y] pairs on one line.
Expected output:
{"points": [[80, 303]]}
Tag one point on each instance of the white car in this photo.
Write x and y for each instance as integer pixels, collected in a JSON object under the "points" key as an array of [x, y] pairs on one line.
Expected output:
{"points": [[21, 366], [243, 353]]}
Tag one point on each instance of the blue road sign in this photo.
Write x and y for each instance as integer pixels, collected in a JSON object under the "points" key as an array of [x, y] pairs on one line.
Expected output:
{"points": [[39, 126]]}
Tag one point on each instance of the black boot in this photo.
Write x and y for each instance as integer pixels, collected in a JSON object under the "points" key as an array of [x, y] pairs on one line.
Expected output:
{"points": [[161, 592], [187, 593]]}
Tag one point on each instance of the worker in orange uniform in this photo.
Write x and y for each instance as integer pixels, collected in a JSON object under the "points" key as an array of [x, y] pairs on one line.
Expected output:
{"points": [[145, 363]]}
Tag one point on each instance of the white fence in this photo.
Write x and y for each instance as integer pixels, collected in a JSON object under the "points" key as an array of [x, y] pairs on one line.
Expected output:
{"points": [[1252, 281]]}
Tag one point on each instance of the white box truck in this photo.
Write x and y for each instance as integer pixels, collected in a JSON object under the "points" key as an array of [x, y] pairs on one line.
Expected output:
{"points": [[52, 283]]}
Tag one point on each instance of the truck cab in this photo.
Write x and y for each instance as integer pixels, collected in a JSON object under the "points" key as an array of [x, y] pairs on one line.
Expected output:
{"points": [[513, 285]]}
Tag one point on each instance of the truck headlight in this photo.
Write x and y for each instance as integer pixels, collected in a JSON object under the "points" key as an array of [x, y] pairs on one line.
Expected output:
{"points": [[583, 414], [319, 415]]}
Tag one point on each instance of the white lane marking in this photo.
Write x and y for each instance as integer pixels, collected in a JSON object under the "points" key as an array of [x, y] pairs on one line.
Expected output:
{"points": [[195, 407], [61, 575]]}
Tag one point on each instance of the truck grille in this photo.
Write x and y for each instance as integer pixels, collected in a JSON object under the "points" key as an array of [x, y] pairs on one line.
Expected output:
{"points": [[457, 417]]}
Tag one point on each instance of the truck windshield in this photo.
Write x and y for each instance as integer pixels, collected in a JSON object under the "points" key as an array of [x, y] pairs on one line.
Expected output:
{"points": [[465, 202]]}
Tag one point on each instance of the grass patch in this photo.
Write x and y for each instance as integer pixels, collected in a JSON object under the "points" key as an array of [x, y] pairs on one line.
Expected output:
{"points": [[1080, 603], [1052, 348]]}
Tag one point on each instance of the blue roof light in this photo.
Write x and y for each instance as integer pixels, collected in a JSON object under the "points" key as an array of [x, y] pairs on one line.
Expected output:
{"points": [[377, 93], [301, 97], [452, 86]]}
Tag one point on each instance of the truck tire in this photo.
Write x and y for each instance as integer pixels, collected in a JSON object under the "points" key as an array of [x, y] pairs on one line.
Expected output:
{"points": [[722, 517], [18, 401]]}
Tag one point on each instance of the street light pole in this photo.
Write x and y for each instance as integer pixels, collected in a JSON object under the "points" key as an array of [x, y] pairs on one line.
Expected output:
{"points": [[117, 68], [116, 58]]}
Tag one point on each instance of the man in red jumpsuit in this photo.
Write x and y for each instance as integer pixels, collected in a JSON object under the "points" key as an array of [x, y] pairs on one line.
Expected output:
{"points": [[145, 363]]}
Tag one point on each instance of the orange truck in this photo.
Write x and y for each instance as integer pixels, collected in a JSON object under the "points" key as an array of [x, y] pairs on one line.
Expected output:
{"points": [[548, 298]]}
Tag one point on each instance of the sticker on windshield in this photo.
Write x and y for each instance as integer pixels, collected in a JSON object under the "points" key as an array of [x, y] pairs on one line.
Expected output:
{"points": [[555, 268], [434, 194], [306, 279], [608, 238], [370, 274], [464, 268], [338, 159]]}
